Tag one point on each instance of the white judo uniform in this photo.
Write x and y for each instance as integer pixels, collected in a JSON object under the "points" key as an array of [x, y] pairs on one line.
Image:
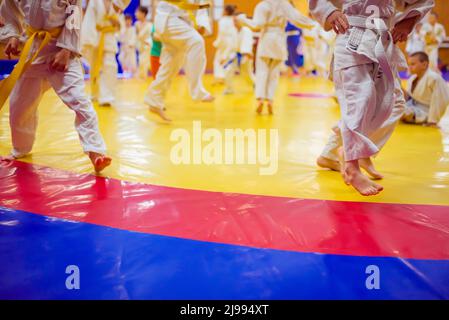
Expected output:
{"points": [[315, 48], [144, 43], [95, 18], [380, 135], [243, 45], [128, 47], [437, 32], [38, 78], [429, 98], [365, 67], [246, 49], [182, 45], [415, 43], [226, 45], [271, 16]]}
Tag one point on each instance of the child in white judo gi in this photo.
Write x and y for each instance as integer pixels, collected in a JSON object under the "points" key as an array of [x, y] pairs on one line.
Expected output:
{"points": [[366, 61], [415, 42], [182, 45], [270, 17], [427, 93], [101, 25], [313, 46], [144, 41], [245, 47], [49, 58], [225, 44], [128, 43], [241, 55], [434, 35]]}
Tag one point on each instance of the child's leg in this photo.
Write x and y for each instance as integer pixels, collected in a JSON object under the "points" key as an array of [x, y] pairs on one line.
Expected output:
{"points": [[273, 78], [329, 156], [262, 80], [247, 68], [144, 64], [195, 65], [229, 78], [356, 90], [108, 79], [23, 118], [219, 72], [171, 62], [69, 86]]}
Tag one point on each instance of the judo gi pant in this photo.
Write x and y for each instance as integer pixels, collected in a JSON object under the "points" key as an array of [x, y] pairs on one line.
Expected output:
{"points": [[128, 60], [69, 86], [415, 112], [144, 63], [219, 70], [108, 75], [247, 69], [366, 124], [433, 53], [268, 72], [181, 43]]}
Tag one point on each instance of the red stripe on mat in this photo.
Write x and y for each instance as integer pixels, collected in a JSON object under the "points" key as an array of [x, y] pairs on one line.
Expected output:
{"points": [[332, 227], [312, 95]]}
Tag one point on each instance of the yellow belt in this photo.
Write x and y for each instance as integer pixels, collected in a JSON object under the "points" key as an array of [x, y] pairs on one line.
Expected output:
{"points": [[190, 7], [184, 4], [24, 62], [98, 59]]}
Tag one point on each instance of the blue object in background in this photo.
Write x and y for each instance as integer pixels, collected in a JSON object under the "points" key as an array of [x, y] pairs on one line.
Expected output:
{"points": [[295, 60], [6, 67]]}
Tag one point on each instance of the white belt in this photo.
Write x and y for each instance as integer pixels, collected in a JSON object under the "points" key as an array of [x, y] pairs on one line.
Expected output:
{"points": [[375, 24]]}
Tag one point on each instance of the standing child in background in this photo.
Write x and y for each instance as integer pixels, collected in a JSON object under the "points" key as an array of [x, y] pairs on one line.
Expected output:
{"points": [[245, 46], [311, 45], [225, 44], [155, 55], [433, 34], [325, 51], [144, 42], [365, 72], [415, 42], [182, 45], [99, 46], [54, 63], [242, 56], [128, 42], [270, 17]]}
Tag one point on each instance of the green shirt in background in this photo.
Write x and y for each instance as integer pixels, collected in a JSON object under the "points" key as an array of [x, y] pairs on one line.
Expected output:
{"points": [[157, 45]]}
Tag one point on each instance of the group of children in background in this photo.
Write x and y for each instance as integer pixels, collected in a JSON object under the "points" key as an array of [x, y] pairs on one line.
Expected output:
{"points": [[139, 38], [139, 52]]}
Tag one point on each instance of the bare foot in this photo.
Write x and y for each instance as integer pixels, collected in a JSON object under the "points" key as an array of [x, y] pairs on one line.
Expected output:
{"points": [[159, 112], [100, 161], [328, 164], [359, 181], [368, 166], [259, 107], [341, 158], [209, 98], [270, 108]]}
